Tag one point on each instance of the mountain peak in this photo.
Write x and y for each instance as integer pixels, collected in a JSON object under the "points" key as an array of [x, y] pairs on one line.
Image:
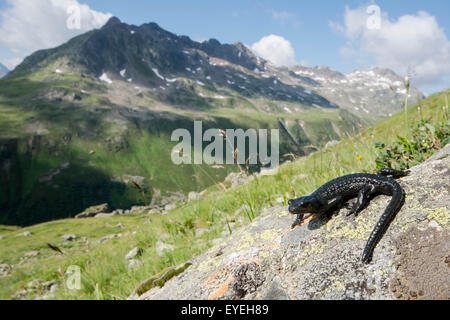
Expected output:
{"points": [[112, 21]]}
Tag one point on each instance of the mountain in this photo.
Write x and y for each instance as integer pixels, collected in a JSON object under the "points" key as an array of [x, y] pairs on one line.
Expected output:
{"points": [[90, 121], [153, 57], [375, 92], [3, 70]]}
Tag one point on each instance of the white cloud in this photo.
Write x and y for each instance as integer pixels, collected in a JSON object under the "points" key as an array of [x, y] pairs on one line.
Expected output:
{"points": [[411, 42], [285, 18], [27, 26], [276, 49]]}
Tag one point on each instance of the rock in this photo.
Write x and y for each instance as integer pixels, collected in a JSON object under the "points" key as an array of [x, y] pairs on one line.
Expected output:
{"points": [[331, 143], [279, 200], [193, 196], [160, 201], [105, 215], [238, 178], [20, 295], [108, 237], [48, 285], [53, 289], [26, 234], [322, 259], [50, 294], [136, 252], [161, 247], [33, 284], [93, 211], [49, 288], [133, 263], [217, 241], [201, 231], [120, 225], [32, 253], [244, 208], [268, 171], [4, 269], [126, 178], [2, 237], [158, 279], [154, 211], [170, 206], [246, 279], [69, 237]]}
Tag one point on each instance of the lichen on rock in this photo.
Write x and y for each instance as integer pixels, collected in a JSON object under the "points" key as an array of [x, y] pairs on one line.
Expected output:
{"points": [[322, 259]]}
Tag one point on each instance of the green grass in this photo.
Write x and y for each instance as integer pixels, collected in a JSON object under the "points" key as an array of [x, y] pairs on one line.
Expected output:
{"points": [[104, 269]]}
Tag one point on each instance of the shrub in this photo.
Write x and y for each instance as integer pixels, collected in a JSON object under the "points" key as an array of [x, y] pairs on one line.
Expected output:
{"points": [[426, 138]]}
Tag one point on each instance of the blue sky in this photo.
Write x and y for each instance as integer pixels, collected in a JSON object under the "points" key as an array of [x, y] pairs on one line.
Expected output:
{"points": [[248, 21], [305, 24]]}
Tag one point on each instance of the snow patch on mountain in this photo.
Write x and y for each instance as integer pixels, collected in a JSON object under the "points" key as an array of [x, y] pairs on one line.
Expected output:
{"points": [[104, 77]]}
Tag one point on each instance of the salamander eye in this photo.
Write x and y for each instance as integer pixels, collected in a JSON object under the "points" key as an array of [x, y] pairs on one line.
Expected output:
{"points": [[290, 201]]}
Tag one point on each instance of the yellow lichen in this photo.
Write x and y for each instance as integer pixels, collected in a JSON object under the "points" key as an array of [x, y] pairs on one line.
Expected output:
{"points": [[265, 254], [246, 241], [340, 228], [302, 262], [407, 225], [315, 247], [336, 283], [270, 235], [283, 213], [440, 215], [206, 264]]}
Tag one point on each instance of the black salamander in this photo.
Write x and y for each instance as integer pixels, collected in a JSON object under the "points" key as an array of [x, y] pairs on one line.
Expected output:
{"points": [[335, 193]]}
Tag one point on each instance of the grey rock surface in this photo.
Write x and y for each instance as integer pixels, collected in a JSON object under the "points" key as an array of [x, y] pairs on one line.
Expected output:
{"points": [[321, 259], [93, 211], [4, 269], [33, 253], [134, 253], [69, 237]]}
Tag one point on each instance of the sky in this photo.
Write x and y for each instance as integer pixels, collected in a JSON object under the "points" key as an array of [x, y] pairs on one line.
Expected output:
{"points": [[409, 37]]}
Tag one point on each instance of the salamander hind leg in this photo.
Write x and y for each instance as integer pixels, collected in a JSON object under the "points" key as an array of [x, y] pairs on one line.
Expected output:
{"points": [[364, 197]]}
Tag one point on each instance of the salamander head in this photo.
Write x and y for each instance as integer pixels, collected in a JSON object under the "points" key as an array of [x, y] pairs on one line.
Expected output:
{"points": [[303, 206]]}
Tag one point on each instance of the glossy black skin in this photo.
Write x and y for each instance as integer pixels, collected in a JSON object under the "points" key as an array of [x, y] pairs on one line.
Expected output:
{"points": [[335, 193]]}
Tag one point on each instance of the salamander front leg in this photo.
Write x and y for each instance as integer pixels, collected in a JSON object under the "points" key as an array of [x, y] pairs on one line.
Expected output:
{"points": [[297, 222]]}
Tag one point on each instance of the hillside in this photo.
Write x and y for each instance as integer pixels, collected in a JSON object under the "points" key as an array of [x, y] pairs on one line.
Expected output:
{"points": [[99, 246], [83, 122]]}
